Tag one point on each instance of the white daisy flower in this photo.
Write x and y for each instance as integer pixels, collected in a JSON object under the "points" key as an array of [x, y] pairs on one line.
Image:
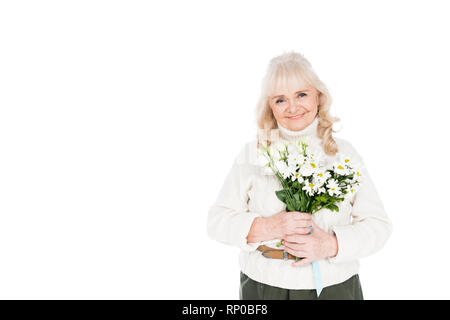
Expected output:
{"points": [[333, 188], [309, 187], [314, 153], [321, 190], [317, 182], [351, 191], [344, 158], [357, 176], [308, 168], [340, 168], [295, 159], [322, 174], [284, 169], [297, 176]]}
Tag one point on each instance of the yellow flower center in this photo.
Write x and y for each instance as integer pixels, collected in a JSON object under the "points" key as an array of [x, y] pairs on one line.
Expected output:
{"points": [[340, 167], [311, 185], [312, 165], [347, 160]]}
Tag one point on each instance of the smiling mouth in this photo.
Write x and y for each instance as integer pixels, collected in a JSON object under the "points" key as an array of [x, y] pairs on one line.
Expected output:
{"points": [[297, 116]]}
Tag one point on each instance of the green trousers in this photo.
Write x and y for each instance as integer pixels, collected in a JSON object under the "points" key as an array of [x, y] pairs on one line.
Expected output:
{"points": [[254, 290]]}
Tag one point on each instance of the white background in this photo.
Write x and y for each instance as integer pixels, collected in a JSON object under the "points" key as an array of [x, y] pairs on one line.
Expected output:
{"points": [[120, 119]]}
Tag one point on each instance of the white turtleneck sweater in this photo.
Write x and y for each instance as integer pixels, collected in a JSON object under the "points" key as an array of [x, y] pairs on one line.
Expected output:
{"points": [[361, 226]]}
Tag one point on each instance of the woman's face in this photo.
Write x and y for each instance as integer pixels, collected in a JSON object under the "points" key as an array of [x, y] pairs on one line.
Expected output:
{"points": [[296, 107]]}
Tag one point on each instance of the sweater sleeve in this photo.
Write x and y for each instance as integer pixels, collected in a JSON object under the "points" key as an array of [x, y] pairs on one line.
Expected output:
{"points": [[370, 227], [229, 218]]}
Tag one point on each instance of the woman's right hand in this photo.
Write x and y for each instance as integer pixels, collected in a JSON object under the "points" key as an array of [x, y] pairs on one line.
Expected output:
{"points": [[283, 223], [279, 225]]}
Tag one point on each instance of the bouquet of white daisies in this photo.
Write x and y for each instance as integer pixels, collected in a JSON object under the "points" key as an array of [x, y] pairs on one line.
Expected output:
{"points": [[308, 184]]}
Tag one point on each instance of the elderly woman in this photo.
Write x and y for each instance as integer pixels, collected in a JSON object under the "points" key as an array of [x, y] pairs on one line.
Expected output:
{"points": [[295, 104]]}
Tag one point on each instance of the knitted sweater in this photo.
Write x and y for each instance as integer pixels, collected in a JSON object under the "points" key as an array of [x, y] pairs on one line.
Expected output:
{"points": [[361, 225]]}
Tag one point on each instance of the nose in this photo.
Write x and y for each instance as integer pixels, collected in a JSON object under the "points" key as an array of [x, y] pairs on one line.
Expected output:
{"points": [[293, 105]]}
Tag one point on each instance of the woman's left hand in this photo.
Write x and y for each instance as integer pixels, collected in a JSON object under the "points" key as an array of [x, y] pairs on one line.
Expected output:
{"points": [[315, 246]]}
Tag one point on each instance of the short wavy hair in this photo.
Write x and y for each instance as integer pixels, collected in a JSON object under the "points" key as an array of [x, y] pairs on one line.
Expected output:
{"points": [[282, 70]]}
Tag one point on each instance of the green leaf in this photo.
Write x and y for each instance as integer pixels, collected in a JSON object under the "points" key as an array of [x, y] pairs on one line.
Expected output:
{"points": [[282, 195], [290, 208], [333, 207]]}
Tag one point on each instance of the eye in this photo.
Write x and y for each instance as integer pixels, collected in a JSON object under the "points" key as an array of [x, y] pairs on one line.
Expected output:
{"points": [[302, 94], [279, 101]]}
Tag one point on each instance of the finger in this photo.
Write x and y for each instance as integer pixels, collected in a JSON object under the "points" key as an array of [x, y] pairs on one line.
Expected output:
{"points": [[303, 223], [293, 245], [298, 238], [303, 262], [300, 215], [297, 253], [293, 225], [298, 229], [303, 230]]}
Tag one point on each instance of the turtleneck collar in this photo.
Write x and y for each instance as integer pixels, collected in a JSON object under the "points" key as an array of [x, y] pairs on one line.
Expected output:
{"points": [[310, 132]]}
